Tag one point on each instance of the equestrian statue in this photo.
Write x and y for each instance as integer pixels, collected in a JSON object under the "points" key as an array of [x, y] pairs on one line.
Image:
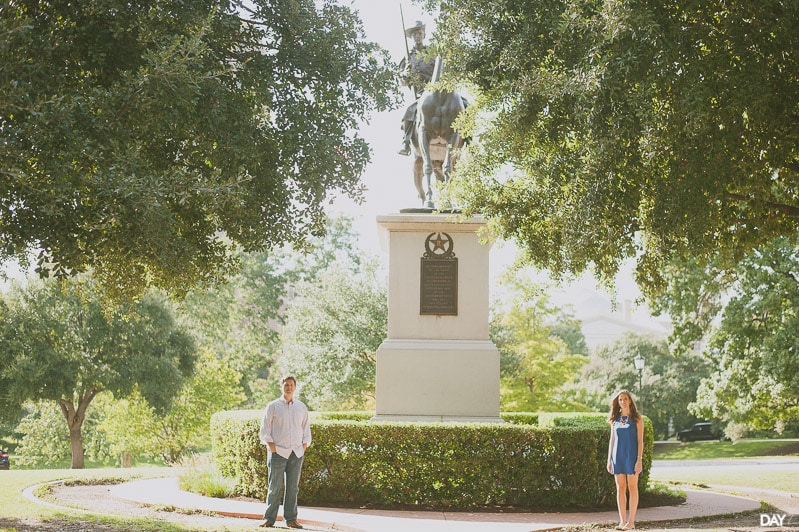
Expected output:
{"points": [[427, 123]]}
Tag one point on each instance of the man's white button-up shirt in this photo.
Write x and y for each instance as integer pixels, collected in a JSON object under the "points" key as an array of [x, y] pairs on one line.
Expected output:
{"points": [[287, 426]]}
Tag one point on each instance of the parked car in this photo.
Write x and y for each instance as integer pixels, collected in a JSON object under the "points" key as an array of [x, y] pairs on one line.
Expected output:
{"points": [[4, 462], [700, 431]]}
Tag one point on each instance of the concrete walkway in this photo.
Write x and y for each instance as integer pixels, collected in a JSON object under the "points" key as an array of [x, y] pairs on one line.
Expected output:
{"points": [[165, 491]]}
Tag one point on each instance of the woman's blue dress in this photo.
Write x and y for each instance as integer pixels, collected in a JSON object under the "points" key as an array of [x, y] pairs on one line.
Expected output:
{"points": [[625, 448]]}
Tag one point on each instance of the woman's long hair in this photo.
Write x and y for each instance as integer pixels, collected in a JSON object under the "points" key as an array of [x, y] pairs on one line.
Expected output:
{"points": [[615, 408]]}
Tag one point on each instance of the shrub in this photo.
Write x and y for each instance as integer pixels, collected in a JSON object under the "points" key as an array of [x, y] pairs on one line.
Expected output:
{"points": [[433, 465], [573, 419], [201, 476], [520, 418], [361, 415]]}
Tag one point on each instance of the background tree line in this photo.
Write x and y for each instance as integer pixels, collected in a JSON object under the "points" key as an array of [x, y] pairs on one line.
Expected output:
{"points": [[320, 313], [145, 377], [169, 146]]}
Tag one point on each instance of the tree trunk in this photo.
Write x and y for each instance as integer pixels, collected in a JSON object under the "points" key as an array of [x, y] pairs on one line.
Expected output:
{"points": [[75, 423]]}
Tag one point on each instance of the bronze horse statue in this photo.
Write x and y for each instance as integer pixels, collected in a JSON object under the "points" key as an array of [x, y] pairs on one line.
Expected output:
{"points": [[435, 142]]}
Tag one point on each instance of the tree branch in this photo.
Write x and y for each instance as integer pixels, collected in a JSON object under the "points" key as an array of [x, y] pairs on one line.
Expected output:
{"points": [[790, 210]]}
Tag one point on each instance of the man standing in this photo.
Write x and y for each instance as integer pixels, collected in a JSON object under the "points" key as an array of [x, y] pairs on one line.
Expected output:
{"points": [[286, 431], [416, 75]]}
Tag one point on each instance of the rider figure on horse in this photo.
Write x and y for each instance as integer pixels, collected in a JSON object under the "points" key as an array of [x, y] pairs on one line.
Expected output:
{"points": [[416, 75]]}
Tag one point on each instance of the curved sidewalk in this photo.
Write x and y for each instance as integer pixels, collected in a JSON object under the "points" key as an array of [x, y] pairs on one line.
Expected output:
{"points": [[165, 491]]}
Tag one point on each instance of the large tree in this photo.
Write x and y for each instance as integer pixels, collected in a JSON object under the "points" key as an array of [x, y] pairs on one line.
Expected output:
{"points": [[747, 322], [149, 139], [62, 343], [651, 129]]}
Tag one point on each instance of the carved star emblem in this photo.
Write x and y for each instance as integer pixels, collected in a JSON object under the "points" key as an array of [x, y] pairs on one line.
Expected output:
{"points": [[439, 243]]}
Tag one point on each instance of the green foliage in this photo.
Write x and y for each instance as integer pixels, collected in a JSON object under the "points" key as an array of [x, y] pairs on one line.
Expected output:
{"points": [[45, 439], [133, 426], [669, 381], [63, 343], [149, 141], [203, 477], [569, 331], [644, 129], [433, 465], [213, 387], [520, 418], [573, 419], [752, 342], [129, 425], [237, 319], [535, 363], [339, 245], [342, 416], [240, 319], [333, 329]]}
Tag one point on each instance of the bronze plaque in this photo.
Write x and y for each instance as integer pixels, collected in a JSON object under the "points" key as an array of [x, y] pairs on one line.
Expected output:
{"points": [[438, 289]]}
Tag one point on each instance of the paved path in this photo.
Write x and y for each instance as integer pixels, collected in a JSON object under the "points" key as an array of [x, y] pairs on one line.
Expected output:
{"points": [[165, 491]]}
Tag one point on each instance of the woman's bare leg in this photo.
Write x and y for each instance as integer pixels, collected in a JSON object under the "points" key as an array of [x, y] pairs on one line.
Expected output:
{"points": [[621, 498], [632, 487]]}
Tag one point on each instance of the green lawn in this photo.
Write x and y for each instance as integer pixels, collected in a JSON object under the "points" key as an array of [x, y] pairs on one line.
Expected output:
{"points": [[14, 505], [759, 478], [766, 476], [711, 450], [15, 481]]}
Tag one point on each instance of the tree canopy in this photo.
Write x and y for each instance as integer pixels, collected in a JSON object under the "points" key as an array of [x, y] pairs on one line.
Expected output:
{"points": [[148, 140], [638, 128], [746, 321], [61, 343]]}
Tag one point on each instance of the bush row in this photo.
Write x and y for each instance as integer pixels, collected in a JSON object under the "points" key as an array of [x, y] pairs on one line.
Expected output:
{"points": [[436, 465]]}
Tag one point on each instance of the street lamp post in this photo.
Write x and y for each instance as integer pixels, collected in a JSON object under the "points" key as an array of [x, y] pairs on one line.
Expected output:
{"points": [[639, 365]]}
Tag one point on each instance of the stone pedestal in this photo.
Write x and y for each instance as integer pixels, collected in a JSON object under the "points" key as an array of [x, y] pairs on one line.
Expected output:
{"points": [[436, 367]]}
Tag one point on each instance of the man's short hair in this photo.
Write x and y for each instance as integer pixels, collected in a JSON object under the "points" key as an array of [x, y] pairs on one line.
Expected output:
{"points": [[288, 378]]}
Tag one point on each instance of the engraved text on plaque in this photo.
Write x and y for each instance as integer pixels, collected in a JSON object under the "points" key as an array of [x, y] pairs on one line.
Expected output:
{"points": [[438, 290]]}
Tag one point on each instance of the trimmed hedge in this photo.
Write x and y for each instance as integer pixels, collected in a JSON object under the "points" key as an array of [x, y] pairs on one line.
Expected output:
{"points": [[436, 465]]}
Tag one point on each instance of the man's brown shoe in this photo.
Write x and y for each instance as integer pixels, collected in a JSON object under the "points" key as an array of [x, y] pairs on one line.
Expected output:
{"points": [[266, 524], [293, 524]]}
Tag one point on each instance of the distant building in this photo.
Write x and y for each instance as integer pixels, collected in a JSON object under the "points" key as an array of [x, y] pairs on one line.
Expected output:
{"points": [[602, 324], [603, 330]]}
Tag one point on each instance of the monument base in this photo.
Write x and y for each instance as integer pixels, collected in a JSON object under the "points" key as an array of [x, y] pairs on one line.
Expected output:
{"points": [[437, 380]]}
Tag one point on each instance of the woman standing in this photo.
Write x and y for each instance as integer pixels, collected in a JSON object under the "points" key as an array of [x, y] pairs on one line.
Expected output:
{"points": [[624, 454]]}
